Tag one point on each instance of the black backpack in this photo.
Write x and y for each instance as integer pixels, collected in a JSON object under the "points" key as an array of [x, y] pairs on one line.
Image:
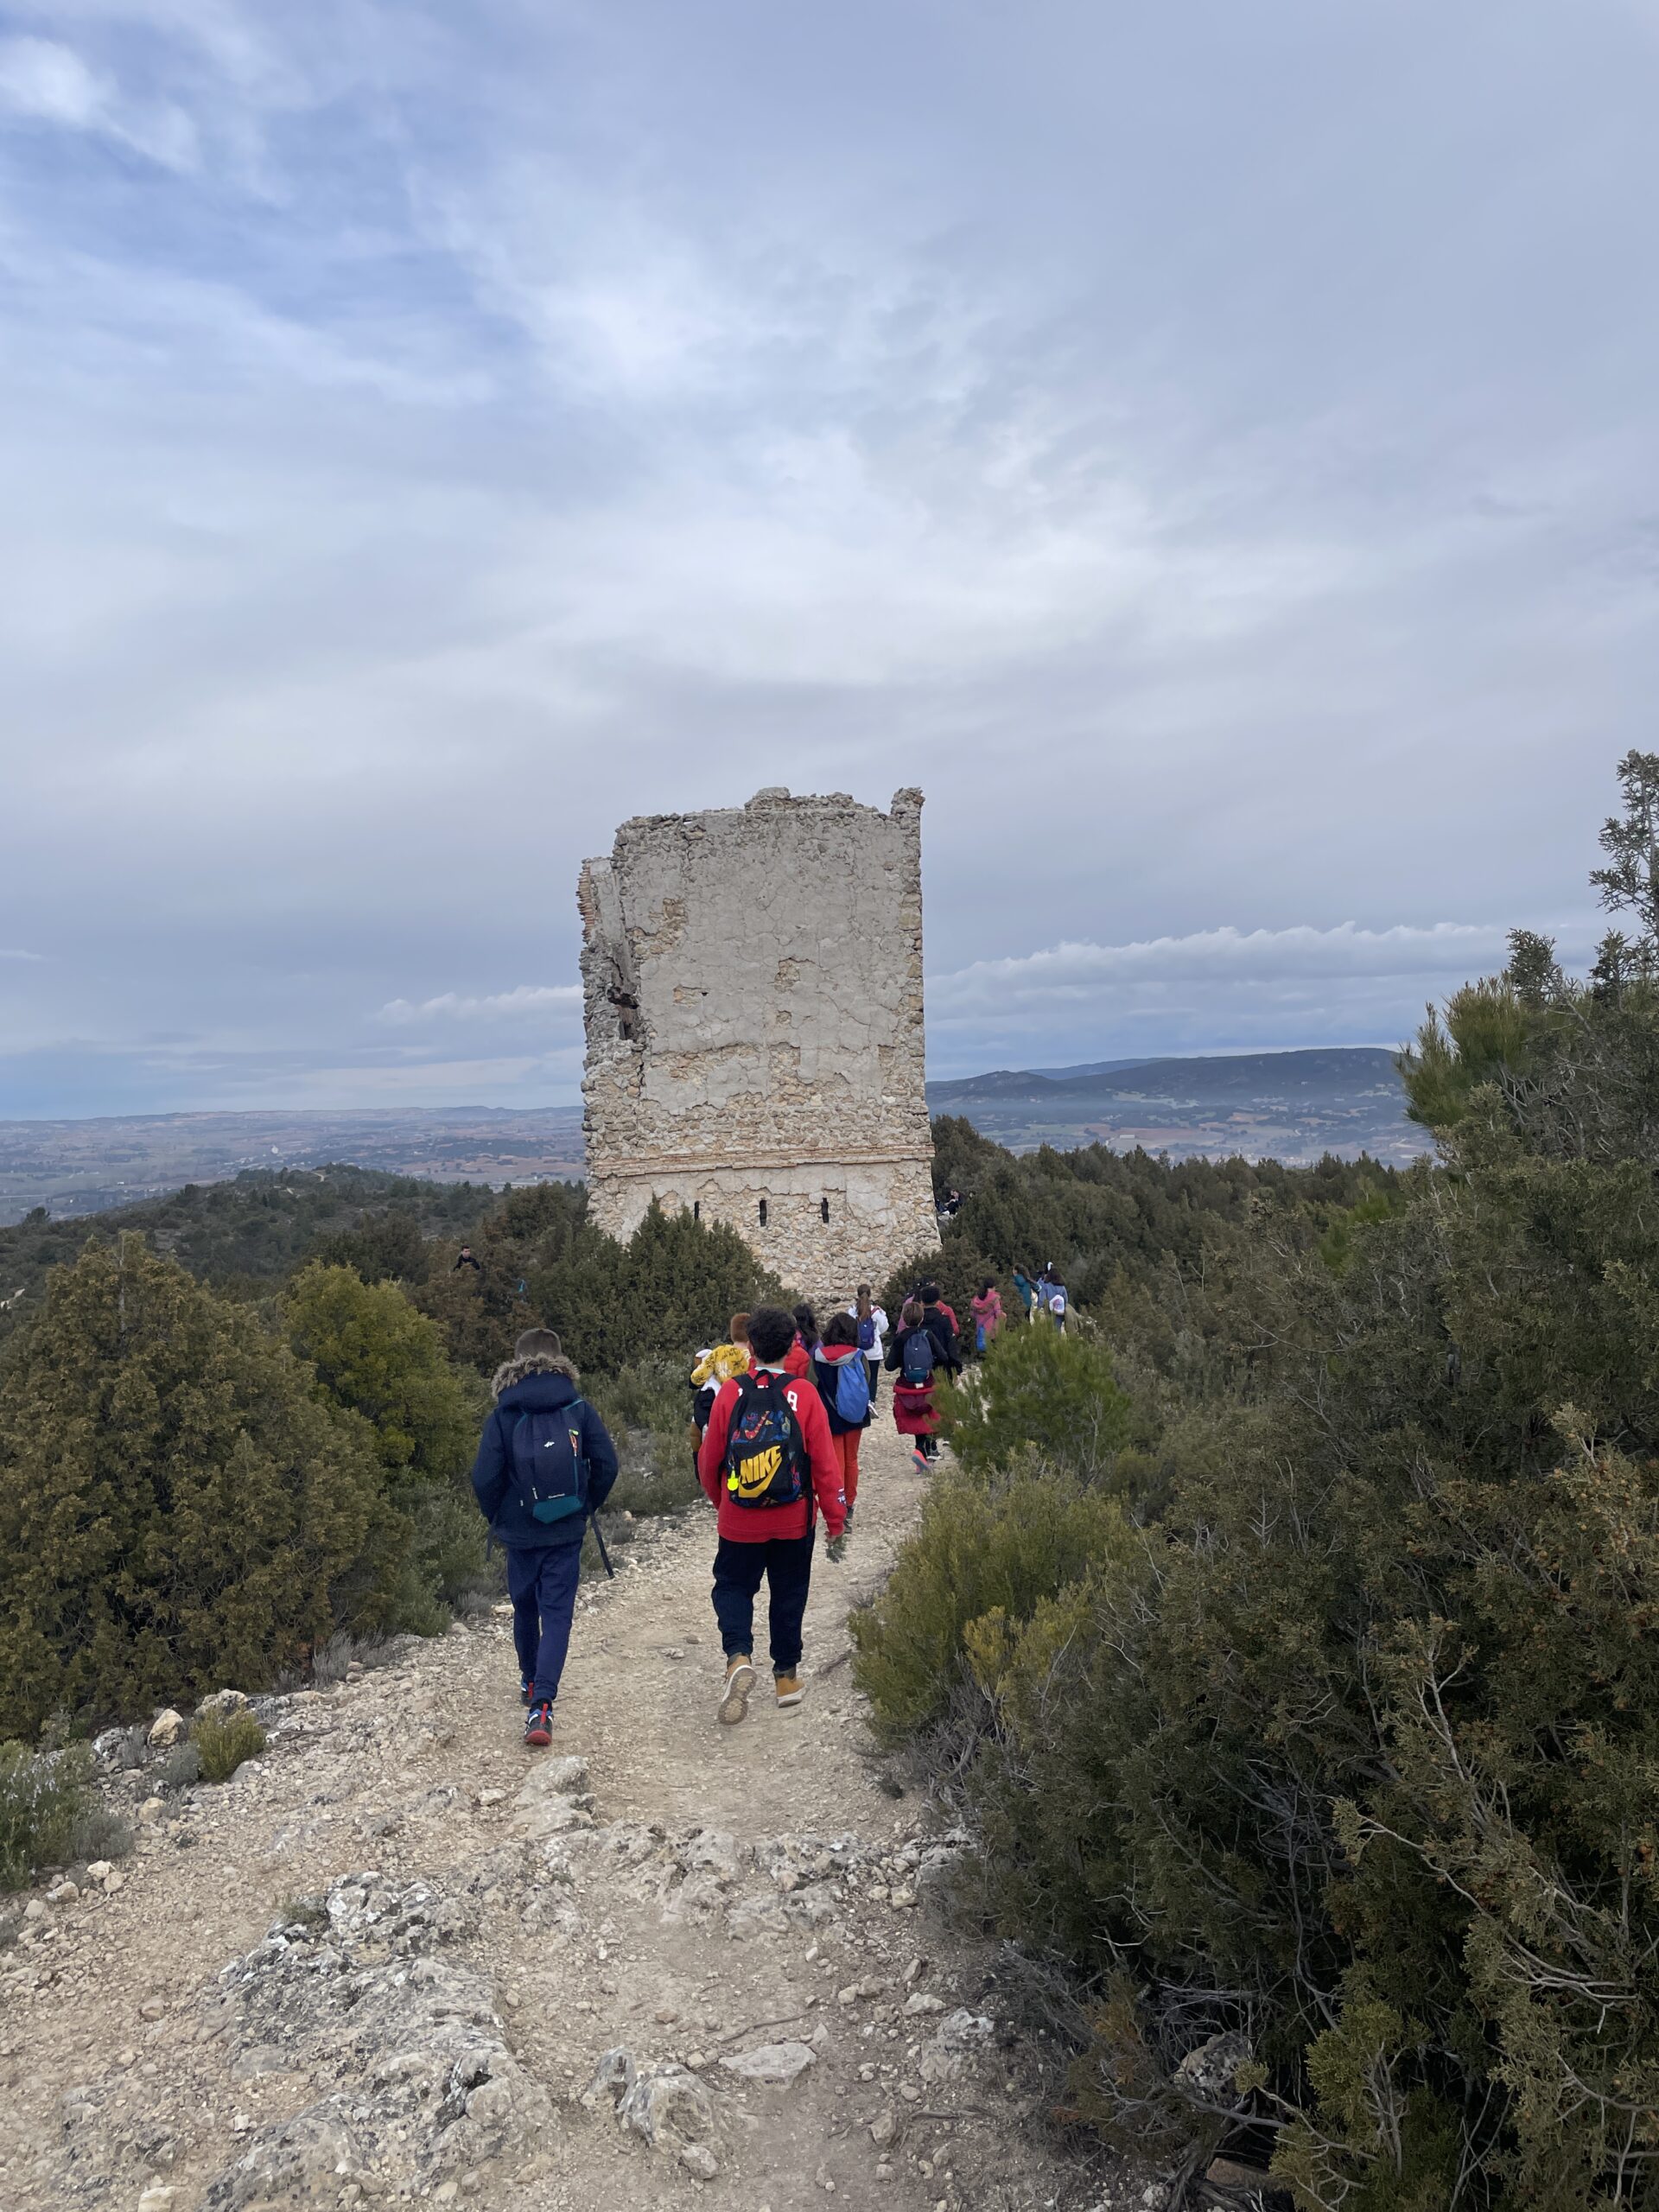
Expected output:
{"points": [[549, 1468], [766, 1453]]}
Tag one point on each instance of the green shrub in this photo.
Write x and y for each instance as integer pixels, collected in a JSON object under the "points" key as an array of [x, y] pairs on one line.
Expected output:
{"points": [[44, 1796], [249, 1231], [100, 1831], [177, 1508], [374, 1354], [996, 1546], [223, 1740], [331, 1661], [650, 1487], [181, 1768], [1359, 1759], [671, 1288], [1037, 1390], [385, 1247], [647, 1409]]}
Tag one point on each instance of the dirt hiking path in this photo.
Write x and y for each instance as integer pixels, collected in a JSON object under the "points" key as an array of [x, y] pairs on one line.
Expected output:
{"points": [[665, 1964]]}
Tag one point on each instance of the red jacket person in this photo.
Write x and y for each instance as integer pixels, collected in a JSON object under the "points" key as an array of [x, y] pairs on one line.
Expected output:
{"points": [[770, 1467]]}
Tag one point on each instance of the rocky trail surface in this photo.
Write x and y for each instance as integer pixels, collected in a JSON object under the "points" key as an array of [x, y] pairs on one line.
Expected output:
{"points": [[397, 1957]]}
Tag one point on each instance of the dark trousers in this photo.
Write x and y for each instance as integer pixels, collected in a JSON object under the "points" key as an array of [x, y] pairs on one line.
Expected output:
{"points": [[786, 1564], [874, 1366], [543, 1588]]}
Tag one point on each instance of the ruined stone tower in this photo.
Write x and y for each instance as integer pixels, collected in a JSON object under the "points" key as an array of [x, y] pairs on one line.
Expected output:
{"points": [[752, 983]]}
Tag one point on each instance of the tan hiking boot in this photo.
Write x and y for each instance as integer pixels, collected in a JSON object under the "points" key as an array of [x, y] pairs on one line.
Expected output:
{"points": [[735, 1690], [789, 1689]]}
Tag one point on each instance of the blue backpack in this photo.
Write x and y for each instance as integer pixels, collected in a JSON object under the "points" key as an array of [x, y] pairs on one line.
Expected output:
{"points": [[916, 1361], [867, 1334], [849, 1391], [549, 1468]]}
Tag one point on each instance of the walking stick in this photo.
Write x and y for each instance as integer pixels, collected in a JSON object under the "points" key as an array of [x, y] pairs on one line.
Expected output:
{"points": [[600, 1540]]}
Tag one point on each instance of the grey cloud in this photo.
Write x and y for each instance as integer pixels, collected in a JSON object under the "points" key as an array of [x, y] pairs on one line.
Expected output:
{"points": [[1210, 450], [1222, 988]]}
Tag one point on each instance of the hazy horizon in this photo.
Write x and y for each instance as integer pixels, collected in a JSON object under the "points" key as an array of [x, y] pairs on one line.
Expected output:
{"points": [[254, 1108]]}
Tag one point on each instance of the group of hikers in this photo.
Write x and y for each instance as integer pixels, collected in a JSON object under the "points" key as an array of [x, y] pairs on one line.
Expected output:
{"points": [[1043, 1296], [781, 1406], [845, 1361]]}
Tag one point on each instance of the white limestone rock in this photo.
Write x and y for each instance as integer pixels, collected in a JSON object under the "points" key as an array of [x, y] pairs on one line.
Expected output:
{"points": [[779, 2064]]}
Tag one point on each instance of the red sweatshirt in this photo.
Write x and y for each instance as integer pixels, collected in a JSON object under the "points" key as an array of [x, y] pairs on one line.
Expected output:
{"points": [[751, 1525]]}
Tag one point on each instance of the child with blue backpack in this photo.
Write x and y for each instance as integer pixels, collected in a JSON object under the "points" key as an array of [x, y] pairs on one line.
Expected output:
{"points": [[545, 1466], [843, 1375]]}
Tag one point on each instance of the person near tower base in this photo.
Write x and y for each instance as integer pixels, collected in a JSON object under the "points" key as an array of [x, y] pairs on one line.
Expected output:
{"points": [[545, 1466], [770, 1467]]}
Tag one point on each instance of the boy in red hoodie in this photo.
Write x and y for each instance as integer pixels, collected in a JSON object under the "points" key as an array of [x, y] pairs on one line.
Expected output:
{"points": [[769, 1465]]}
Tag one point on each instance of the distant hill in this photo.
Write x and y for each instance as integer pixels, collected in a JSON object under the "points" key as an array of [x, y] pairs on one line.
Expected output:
{"points": [[1289, 1106], [242, 1233], [74, 1168]]}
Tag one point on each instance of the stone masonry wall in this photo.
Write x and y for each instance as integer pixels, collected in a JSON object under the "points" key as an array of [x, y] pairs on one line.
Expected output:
{"points": [[753, 994]]}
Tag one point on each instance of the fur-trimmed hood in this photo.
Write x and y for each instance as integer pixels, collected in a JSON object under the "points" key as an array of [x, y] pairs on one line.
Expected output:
{"points": [[520, 1371]]}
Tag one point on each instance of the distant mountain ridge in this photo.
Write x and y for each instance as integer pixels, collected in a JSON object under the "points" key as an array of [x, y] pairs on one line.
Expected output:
{"points": [[1203, 1076], [1292, 1106]]}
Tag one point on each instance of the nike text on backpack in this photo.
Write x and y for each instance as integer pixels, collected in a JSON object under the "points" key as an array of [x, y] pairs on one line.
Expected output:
{"points": [[549, 1469], [766, 1455], [852, 1389], [916, 1369]]}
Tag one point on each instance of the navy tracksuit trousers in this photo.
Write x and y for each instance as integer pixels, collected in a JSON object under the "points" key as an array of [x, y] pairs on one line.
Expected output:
{"points": [[543, 1588], [785, 1564]]}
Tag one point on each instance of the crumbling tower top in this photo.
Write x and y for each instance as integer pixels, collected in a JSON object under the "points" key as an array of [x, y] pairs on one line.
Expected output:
{"points": [[752, 984]]}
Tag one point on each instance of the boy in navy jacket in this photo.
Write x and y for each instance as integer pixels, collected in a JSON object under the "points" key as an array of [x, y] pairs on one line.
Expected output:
{"points": [[544, 1555]]}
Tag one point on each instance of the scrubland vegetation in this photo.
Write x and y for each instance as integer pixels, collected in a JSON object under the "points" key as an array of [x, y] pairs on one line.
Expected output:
{"points": [[206, 1477], [1311, 1700]]}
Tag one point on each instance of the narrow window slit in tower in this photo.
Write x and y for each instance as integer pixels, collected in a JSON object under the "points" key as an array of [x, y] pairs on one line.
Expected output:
{"points": [[697, 1209], [824, 1209], [763, 1213]]}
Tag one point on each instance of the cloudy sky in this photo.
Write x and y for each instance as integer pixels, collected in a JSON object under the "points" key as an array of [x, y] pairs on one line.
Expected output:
{"points": [[1212, 448]]}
